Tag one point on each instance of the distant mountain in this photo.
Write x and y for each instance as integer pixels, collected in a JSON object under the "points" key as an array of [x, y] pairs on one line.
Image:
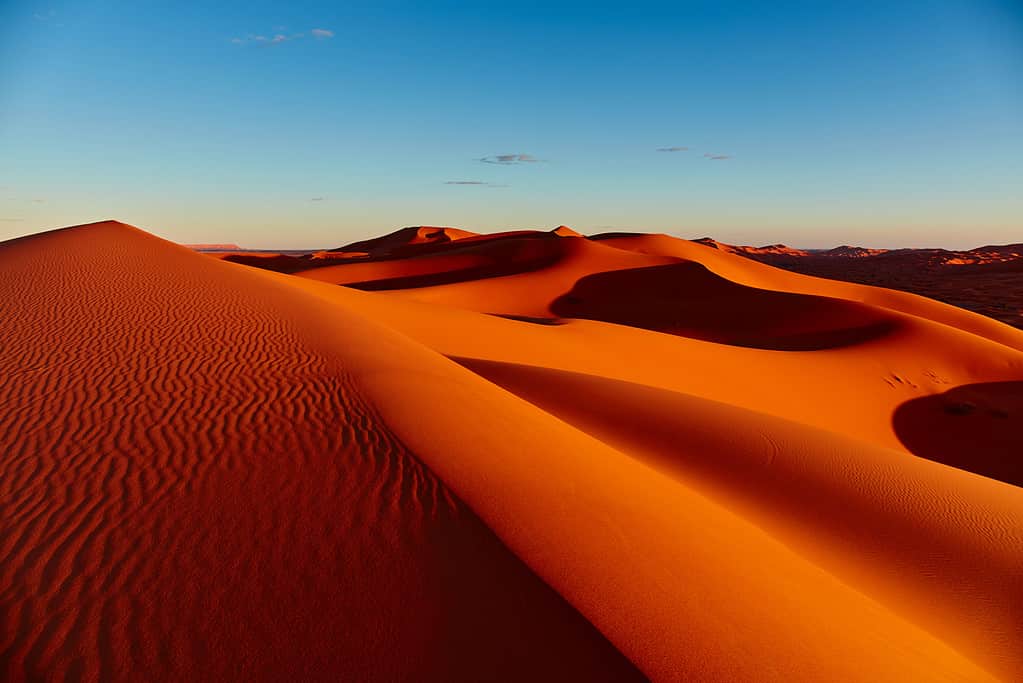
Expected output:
{"points": [[846, 251], [772, 249]]}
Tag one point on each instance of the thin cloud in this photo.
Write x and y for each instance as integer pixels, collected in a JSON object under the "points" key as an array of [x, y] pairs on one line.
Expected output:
{"points": [[672, 149], [472, 182], [278, 38], [717, 157], [509, 159], [317, 199], [48, 17], [38, 201]]}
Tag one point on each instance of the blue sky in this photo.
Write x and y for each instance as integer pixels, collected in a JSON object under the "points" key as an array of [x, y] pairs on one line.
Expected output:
{"points": [[310, 124]]}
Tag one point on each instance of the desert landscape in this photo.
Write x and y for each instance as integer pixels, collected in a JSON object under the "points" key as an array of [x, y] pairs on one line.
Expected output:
{"points": [[532, 455], [444, 342]]}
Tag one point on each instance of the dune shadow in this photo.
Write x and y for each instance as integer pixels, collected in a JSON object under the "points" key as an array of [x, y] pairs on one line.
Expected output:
{"points": [[533, 319], [688, 300], [497, 258], [279, 263], [975, 427]]}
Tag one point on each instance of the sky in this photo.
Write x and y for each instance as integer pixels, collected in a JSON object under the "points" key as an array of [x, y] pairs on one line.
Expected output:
{"points": [[313, 124]]}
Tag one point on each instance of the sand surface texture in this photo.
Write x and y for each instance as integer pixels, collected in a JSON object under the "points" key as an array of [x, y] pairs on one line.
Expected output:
{"points": [[443, 456]]}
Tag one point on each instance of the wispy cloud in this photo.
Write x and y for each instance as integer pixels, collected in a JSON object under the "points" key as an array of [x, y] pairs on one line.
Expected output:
{"points": [[717, 157], [508, 159], [672, 149], [266, 40], [473, 182], [317, 199], [278, 38], [38, 201]]}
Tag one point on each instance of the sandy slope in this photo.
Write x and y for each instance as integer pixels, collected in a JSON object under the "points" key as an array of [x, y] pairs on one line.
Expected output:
{"points": [[744, 271], [640, 456], [195, 488], [852, 390], [941, 546]]}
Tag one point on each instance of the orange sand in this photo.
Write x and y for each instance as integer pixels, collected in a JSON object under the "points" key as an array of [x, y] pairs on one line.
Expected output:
{"points": [[530, 456]]}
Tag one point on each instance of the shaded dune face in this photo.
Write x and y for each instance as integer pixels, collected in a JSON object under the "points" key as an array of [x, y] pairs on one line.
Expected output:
{"points": [[415, 237], [194, 488], [280, 263], [687, 299], [460, 263], [976, 427]]}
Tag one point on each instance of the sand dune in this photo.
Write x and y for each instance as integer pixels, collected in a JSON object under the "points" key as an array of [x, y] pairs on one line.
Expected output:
{"points": [[530, 455], [194, 488], [406, 237], [902, 530], [282, 263], [986, 279], [688, 300], [755, 274]]}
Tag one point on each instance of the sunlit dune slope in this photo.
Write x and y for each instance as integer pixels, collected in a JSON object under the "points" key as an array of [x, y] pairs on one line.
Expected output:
{"points": [[942, 546], [686, 587], [527, 456], [194, 487]]}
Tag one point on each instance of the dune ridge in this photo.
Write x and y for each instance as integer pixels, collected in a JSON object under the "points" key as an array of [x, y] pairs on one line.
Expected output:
{"points": [[531, 455]]}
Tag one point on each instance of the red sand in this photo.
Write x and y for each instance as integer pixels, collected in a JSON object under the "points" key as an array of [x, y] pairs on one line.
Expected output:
{"points": [[526, 456]]}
